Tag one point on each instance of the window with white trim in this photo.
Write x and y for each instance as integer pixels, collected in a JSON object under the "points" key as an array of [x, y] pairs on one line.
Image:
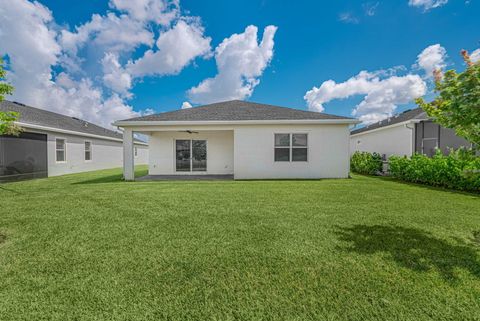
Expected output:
{"points": [[291, 147], [88, 150], [60, 150]]}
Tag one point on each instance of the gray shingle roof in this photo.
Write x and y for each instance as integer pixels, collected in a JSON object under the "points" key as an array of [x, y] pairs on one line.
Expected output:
{"points": [[236, 110], [417, 113], [35, 116]]}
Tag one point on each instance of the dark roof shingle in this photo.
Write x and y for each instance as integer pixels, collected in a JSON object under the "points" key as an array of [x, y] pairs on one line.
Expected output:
{"points": [[36, 116], [236, 110], [410, 114]]}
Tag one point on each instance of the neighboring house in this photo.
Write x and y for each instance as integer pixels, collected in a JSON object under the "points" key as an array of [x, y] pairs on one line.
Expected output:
{"points": [[405, 134], [53, 144], [243, 139]]}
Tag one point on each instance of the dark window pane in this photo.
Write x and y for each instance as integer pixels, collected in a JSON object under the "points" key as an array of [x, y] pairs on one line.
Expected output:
{"points": [[299, 154], [60, 156], [60, 144], [299, 139], [199, 155], [183, 156], [282, 154], [282, 139], [88, 155]]}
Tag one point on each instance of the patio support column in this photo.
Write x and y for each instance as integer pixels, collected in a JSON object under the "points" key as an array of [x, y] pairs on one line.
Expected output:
{"points": [[128, 165]]}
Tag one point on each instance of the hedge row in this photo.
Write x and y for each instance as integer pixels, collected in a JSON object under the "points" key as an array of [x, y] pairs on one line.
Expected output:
{"points": [[458, 170], [366, 163]]}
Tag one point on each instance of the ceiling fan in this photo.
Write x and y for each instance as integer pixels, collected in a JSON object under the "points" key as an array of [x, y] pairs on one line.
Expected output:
{"points": [[189, 131]]}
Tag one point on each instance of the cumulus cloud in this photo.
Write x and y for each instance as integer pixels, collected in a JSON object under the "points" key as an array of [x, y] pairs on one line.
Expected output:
{"points": [[110, 33], [427, 4], [28, 36], [186, 105], [86, 71], [383, 93], [240, 61], [159, 11], [177, 47], [431, 59], [114, 76]]}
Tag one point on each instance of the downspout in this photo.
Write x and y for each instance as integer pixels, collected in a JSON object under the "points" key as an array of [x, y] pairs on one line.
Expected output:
{"points": [[413, 140]]}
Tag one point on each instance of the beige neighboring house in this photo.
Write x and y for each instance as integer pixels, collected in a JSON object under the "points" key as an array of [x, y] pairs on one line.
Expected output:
{"points": [[244, 140], [405, 134], [53, 144]]}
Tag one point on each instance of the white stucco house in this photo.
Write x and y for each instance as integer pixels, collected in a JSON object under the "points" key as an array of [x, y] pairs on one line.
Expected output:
{"points": [[243, 139], [52, 144], [405, 134]]}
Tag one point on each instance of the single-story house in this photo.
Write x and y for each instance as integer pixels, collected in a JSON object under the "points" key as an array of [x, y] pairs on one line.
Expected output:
{"points": [[405, 134], [243, 139], [52, 144]]}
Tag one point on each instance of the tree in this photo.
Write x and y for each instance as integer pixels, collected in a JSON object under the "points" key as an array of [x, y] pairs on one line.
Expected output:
{"points": [[457, 105], [7, 119]]}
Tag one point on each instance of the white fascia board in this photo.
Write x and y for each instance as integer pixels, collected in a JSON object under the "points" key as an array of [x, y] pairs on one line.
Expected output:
{"points": [[127, 123], [407, 122], [72, 132]]}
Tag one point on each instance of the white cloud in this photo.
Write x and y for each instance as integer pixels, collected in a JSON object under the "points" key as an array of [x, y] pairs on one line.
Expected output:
{"points": [[427, 4], [370, 8], [161, 12], [114, 76], [186, 105], [383, 93], [80, 72], [431, 59], [177, 47], [28, 37], [348, 17], [240, 61], [110, 33], [475, 55]]}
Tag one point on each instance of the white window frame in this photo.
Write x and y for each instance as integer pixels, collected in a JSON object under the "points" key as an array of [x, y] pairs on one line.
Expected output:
{"points": [[64, 150], [85, 151], [291, 147]]}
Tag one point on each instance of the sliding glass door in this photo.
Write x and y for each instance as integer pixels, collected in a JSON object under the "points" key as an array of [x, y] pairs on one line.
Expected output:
{"points": [[191, 155]]}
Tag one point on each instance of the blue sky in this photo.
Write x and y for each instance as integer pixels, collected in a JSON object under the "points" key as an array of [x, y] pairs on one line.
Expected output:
{"points": [[315, 41]]}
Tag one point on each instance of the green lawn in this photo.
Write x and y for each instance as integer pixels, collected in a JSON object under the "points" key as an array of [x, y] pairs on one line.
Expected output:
{"points": [[91, 247]]}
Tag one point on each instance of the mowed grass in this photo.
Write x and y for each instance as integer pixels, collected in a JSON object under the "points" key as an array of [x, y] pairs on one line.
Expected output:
{"points": [[91, 247]]}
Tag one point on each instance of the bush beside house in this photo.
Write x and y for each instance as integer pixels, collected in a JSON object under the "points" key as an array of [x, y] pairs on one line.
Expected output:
{"points": [[366, 163], [459, 170]]}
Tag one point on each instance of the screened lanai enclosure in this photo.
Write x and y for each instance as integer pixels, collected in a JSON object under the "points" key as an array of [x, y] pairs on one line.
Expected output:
{"points": [[23, 157]]}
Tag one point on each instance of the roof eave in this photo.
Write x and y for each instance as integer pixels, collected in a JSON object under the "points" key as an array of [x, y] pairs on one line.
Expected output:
{"points": [[133, 123], [72, 132], [410, 121]]}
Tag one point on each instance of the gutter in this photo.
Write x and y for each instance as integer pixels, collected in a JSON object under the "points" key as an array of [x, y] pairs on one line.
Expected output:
{"points": [[123, 123], [405, 123]]}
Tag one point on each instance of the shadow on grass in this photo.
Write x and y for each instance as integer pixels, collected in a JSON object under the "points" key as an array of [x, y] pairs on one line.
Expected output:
{"points": [[412, 248], [102, 179]]}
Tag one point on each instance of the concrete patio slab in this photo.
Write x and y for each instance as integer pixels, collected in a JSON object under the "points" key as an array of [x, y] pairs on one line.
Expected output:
{"points": [[185, 178]]}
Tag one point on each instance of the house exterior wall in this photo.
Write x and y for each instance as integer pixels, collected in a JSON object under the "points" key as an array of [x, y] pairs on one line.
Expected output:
{"points": [[105, 154], [328, 152], [219, 151], [395, 140]]}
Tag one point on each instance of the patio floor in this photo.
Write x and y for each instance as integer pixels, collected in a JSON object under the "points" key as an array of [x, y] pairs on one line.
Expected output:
{"points": [[185, 178]]}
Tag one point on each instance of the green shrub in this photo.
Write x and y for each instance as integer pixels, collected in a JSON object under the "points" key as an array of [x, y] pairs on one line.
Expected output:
{"points": [[366, 163], [458, 170]]}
